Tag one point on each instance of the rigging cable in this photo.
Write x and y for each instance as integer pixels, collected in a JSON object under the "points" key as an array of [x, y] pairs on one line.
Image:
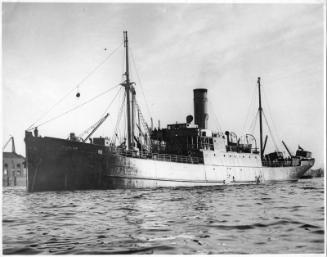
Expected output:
{"points": [[139, 79], [214, 114], [144, 123], [270, 114], [77, 86], [107, 108], [123, 63], [250, 105], [272, 136], [124, 132], [76, 107], [105, 112], [147, 130], [113, 138], [253, 123]]}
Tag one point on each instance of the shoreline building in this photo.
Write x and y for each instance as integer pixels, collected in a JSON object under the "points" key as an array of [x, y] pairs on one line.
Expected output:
{"points": [[13, 170]]}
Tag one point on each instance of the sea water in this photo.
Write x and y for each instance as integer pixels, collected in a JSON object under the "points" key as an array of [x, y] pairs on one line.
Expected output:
{"points": [[272, 218]]}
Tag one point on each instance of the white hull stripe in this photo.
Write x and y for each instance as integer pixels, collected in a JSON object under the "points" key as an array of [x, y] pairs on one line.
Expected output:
{"points": [[195, 181]]}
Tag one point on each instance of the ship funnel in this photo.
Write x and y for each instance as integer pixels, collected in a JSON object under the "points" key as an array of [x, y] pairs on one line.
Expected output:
{"points": [[200, 108]]}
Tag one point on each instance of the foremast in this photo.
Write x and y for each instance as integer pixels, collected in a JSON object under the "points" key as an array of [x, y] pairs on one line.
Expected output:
{"points": [[130, 101]]}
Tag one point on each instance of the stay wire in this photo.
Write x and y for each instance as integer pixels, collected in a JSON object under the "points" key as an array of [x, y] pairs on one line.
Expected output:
{"points": [[76, 107], [115, 135], [272, 136], [144, 123], [105, 113], [141, 86], [249, 109], [214, 114], [270, 114], [77, 86], [109, 105], [124, 132], [253, 123]]}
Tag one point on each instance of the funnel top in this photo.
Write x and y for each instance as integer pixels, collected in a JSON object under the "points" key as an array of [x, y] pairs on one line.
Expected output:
{"points": [[200, 90]]}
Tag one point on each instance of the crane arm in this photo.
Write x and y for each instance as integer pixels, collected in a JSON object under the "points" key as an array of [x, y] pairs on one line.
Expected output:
{"points": [[11, 138], [264, 144], [289, 152], [3, 148], [96, 126]]}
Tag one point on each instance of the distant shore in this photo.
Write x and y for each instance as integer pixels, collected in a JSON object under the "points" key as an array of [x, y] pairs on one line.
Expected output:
{"points": [[314, 173]]}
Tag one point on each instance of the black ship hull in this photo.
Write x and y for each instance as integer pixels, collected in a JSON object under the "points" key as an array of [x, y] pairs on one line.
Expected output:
{"points": [[58, 164]]}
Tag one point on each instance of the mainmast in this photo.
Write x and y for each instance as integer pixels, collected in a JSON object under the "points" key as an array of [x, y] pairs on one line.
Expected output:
{"points": [[127, 86], [260, 120]]}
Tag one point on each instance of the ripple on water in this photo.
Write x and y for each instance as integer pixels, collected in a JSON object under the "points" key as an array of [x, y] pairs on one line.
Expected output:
{"points": [[22, 250], [273, 218]]}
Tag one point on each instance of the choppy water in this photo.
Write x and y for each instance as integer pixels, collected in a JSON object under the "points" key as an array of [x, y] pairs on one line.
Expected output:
{"points": [[273, 218]]}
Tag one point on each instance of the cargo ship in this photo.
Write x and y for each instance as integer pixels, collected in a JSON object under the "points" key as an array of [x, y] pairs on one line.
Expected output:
{"points": [[185, 154]]}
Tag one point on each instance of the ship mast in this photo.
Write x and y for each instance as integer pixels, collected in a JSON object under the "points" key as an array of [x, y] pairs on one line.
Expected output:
{"points": [[127, 86], [260, 120]]}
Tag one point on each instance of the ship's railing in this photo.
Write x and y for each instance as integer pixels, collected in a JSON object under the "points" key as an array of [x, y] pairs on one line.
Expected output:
{"points": [[158, 156], [280, 163], [175, 158], [206, 146]]}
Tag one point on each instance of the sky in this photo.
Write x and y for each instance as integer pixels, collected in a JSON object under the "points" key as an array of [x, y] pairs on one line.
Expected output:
{"points": [[48, 48]]}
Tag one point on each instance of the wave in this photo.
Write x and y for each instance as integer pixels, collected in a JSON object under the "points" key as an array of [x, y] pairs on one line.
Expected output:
{"points": [[261, 225], [22, 250]]}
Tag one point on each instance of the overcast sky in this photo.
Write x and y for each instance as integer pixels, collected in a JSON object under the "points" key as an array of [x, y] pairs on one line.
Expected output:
{"points": [[48, 48]]}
